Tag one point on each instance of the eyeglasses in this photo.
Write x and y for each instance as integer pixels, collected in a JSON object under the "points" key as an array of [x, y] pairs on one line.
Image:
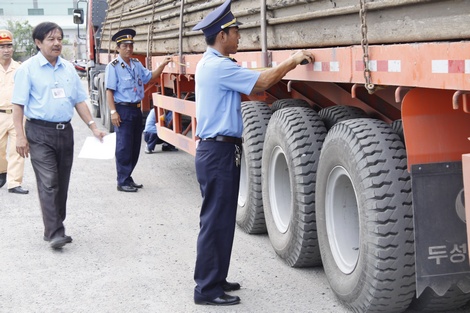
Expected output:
{"points": [[2, 47]]}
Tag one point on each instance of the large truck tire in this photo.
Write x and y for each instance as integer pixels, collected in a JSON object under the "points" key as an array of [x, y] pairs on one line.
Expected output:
{"points": [[250, 215], [337, 113], [289, 103], [95, 111], [364, 217], [397, 126], [291, 150], [105, 114], [102, 104], [429, 301]]}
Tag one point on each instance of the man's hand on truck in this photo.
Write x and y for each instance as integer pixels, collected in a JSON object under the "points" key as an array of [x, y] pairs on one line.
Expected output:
{"points": [[158, 71], [303, 57], [273, 75]]}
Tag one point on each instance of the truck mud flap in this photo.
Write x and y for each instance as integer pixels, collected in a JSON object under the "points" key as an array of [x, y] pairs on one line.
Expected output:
{"points": [[441, 249]]}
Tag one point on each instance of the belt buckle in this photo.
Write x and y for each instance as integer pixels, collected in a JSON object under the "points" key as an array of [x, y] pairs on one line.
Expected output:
{"points": [[60, 126], [9, 111]]}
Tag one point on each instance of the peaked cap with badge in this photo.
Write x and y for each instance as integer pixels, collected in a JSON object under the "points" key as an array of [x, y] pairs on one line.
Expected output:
{"points": [[6, 37], [217, 20], [124, 36]]}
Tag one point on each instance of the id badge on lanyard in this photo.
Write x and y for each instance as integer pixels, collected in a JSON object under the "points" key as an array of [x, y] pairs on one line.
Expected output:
{"points": [[58, 93]]}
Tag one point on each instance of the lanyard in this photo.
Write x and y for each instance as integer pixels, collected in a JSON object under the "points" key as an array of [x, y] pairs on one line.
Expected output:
{"points": [[131, 72], [133, 75]]}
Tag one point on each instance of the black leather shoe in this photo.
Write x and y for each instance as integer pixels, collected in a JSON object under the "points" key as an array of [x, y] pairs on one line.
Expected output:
{"points": [[68, 239], [230, 286], [222, 300], [136, 185], [19, 190], [3, 179], [126, 188], [169, 148], [59, 242]]}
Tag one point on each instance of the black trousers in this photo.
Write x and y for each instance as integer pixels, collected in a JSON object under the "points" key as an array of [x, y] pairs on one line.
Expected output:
{"points": [[219, 179], [51, 152]]}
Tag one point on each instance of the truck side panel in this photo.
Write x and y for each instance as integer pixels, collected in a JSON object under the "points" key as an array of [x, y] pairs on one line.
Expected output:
{"points": [[291, 24]]}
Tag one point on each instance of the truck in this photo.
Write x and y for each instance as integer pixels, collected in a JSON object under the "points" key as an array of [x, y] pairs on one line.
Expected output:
{"points": [[358, 162]]}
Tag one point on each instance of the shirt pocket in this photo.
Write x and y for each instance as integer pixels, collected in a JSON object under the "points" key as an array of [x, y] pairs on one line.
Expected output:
{"points": [[127, 82]]}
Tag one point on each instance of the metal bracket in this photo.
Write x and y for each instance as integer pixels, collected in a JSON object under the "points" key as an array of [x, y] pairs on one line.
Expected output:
{"points": [[371, 89], [455, 100], [399, 91], [289, 88]]}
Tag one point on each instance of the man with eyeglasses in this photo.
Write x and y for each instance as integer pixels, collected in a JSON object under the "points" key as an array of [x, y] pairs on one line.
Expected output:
{"points": [[11, 170], [125, 79]]}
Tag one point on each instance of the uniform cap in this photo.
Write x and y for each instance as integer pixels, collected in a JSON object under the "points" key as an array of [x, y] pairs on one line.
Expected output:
{"points": [[124, 36], [217, 20], [6, 37]]}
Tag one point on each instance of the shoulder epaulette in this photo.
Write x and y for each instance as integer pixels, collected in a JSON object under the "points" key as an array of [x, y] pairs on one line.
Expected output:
{"points": [[114, 62]]}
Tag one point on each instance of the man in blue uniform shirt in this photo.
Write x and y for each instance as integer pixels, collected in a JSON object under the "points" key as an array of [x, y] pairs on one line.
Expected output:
{"points": [[150, 132], [47, 89], [219, 84], [125, 79]]}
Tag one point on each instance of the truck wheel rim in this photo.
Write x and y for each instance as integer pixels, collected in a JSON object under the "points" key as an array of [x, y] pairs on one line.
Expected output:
{"points": [[280, 190], [342, 219]]}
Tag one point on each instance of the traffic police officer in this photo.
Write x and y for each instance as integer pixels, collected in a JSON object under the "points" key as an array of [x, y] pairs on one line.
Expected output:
{"points": [[219, 84], [14, 164], [125, 79]]}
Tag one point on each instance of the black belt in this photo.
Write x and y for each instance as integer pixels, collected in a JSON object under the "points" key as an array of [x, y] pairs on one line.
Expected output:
{"points": [[9, 111], [130, 104], [56, 125], [229, 139]]}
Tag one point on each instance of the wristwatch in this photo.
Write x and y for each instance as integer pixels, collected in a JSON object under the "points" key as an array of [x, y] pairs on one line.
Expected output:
{"points": [[112, 112]]}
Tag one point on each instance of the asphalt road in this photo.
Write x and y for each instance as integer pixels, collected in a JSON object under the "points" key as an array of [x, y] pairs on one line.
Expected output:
{"points": [[136, 252]]}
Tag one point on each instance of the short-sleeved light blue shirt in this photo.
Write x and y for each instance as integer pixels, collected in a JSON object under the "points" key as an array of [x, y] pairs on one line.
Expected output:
{"points": [[127, 81], [48, 92], [219, 85], [151, 120]]}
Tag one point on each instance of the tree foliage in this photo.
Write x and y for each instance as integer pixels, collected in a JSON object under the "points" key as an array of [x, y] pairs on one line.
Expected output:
{"points": [[22, 39]]}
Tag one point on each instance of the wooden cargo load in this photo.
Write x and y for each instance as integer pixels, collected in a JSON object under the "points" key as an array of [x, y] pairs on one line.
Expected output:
{"points": [[290, 24]]}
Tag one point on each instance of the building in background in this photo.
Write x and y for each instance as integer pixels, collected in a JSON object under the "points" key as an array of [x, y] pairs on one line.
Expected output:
{"points": [[37, 11]]}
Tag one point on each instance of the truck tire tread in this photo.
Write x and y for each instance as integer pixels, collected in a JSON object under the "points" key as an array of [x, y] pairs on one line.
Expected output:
{"points": [[250, 215], [299, 133], [335, 114], [429, 301], [382, 277], [289, 103]]}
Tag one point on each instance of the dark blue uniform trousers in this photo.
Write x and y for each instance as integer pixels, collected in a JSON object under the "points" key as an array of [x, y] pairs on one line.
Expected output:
{"points": [[152, 140], [219, 178], [51, 152], [128, 141]]}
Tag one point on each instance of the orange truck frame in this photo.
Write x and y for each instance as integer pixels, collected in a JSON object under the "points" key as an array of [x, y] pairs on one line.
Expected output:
{"points": [[359, 162]]}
